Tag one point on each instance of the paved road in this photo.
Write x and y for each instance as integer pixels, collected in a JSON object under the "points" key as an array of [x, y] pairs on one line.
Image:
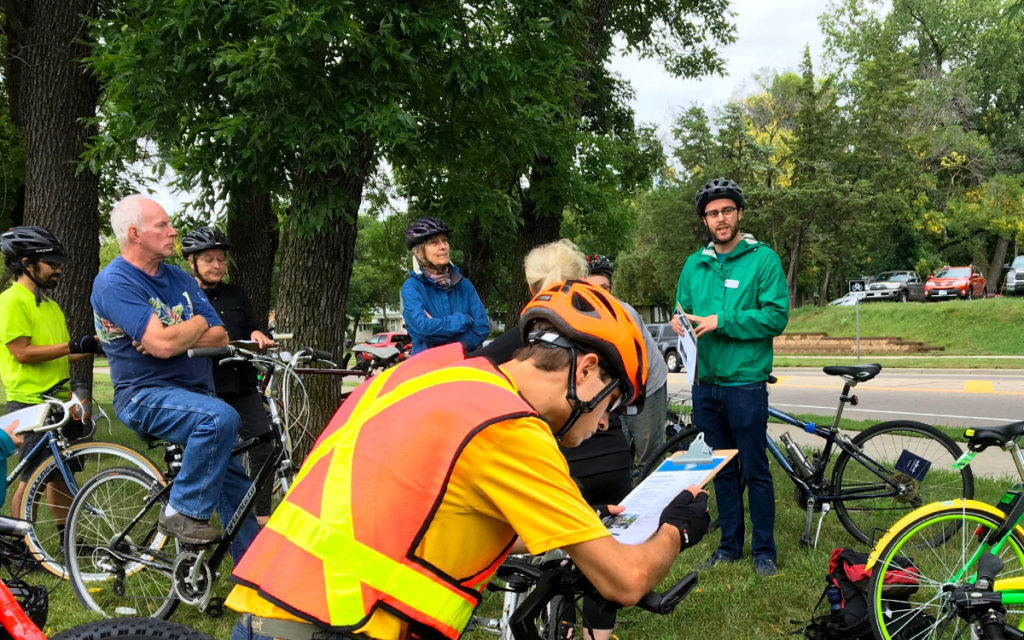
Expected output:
{"points": [[954, 397], [943, 396]]}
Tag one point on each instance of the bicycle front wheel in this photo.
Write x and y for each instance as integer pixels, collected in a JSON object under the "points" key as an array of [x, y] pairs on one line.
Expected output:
{"points": [[120, 564], [940, 544], [132, 629], [901, 466], [47, 496]]}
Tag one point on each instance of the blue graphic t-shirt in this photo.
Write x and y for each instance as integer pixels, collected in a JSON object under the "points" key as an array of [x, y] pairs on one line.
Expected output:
{"points": [[123, 299]]}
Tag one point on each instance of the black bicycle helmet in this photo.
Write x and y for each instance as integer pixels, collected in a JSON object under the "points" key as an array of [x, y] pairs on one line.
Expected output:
{"points": [[719, 188], [599, 265], [423, 229], [201, 239], [33, 243]]}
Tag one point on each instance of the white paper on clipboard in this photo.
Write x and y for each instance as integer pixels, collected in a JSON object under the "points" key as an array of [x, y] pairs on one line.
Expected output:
{"points": [[687, 348], [647, 500], [26, 419]]}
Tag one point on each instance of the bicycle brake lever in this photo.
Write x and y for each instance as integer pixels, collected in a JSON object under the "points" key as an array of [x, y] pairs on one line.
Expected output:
{"points": [[666, 602]]}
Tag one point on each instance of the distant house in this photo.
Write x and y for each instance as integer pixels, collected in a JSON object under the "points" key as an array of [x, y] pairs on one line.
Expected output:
{"points": [[382, 321]]}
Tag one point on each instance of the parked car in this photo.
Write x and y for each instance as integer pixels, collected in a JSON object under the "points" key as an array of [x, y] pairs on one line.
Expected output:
{"points": [[849, 299], [1014, 283], [900, 286], [667, 344], [382, 350], [949, 282]]}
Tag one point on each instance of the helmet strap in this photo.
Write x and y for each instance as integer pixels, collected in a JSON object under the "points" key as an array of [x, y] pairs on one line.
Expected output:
{"points": [[28, 273], [206, 284], [578, 406]]}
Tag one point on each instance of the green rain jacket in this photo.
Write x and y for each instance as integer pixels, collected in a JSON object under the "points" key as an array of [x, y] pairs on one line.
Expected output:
{"points": [[748, 292]]}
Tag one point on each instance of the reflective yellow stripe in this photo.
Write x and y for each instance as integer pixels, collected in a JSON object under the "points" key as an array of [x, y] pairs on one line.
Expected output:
{"points": [[363, 564], [347, 562]]}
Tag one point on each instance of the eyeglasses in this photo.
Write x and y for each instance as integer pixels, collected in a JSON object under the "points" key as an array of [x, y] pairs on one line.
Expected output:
{"points": [[52, 264], [724, 212], [208, 259]]}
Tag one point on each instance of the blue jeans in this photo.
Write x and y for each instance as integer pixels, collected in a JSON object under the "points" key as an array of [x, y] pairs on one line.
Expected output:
{"points": [[736, 417], [206, 427]]}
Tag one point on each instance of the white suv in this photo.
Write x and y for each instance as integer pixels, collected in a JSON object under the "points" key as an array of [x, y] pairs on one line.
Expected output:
{"points": [[1014, 283]]}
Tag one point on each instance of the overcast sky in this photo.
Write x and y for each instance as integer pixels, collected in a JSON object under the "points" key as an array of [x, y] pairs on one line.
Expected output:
{"points": [[769, 35]]}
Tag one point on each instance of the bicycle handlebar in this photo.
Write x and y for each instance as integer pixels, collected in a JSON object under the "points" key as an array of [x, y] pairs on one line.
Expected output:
{"points": [[211, 352], [665, 602], [563, 577], [319, 355]]}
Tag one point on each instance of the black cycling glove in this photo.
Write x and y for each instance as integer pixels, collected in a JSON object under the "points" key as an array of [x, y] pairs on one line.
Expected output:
{"points": [[85, 344], [689, 515]]}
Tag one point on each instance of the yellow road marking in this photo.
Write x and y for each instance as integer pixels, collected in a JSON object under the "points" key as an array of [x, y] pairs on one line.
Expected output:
{"points": [[864, 389], [781, 379], [978, 386]]}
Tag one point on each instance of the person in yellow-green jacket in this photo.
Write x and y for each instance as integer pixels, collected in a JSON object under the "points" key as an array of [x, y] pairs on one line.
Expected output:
{"points": [[734, 294], [37, 347]]}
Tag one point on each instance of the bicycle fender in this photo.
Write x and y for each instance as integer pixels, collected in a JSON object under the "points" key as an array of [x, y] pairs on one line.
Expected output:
{"points": [[926, 510]]}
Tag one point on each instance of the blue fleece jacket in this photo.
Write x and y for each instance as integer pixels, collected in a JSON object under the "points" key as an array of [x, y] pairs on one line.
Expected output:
{"points": [[434, 316]]}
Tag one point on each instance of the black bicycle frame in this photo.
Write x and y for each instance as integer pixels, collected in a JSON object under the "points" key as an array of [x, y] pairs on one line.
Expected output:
{"points": [[829, 434]]}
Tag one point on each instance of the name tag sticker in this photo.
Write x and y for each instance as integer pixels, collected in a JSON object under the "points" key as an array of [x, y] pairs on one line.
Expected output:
{"points": [[732, 284]]}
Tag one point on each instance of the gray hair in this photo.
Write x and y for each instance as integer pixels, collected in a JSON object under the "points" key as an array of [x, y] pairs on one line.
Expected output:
{"points": [[552, 263], [126, 213]]}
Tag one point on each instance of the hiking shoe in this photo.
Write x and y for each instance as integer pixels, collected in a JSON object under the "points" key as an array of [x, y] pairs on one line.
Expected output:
{"points": [[187, 529], [764, 567], [718, 557]]}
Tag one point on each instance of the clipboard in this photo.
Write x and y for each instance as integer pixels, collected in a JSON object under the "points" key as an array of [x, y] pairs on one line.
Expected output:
{"points": [[26, 419], [645, 503]]}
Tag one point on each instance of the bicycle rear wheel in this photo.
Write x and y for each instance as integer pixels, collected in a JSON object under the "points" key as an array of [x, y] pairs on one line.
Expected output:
{"points": [[925, 475], [127, 577], [47, 497], [940, 545]]}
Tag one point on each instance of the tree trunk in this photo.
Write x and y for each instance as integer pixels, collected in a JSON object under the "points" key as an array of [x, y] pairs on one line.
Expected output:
{"points": [[50, 95], [253, 233], [314, 277], [995, 272], [794, 266], [539, 227], [823, 293]]}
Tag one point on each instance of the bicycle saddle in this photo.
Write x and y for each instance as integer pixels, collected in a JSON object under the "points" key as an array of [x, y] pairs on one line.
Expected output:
{"points": [[979, 438], [858, 372], [14, 527]]}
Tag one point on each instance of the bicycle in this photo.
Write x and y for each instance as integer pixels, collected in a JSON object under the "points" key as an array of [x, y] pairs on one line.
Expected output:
{"points": [[26, 608], [549, 589], [122, 565], [71, 460], [879, 472], [969, 557]]}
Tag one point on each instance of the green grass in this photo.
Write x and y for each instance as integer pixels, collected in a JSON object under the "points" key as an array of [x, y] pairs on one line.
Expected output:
{"points": [[731, 601], [977, 328]]}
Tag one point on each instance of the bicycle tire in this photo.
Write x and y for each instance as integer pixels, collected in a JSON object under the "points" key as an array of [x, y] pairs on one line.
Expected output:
{"points": [[38, 503], [884, 443], [677, 442], [928, 614], [114, 582], [558, 621], [132, 629]]}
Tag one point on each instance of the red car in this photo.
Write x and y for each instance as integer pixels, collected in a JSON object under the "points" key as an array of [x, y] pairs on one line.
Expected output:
{"points": [[956, 282], [382, 350]]}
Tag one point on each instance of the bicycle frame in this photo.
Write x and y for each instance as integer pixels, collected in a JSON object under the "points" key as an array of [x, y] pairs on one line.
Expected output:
{"points": [[833, 440]]}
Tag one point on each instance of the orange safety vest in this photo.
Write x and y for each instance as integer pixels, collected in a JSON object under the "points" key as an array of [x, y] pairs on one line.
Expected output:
{"points": [[343, 542]]}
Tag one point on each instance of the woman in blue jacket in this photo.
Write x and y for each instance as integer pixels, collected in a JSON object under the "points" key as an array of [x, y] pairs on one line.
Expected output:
{"points": [[439, 306]]}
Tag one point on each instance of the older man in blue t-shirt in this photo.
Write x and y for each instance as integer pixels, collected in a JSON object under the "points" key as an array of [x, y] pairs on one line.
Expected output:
{"points": [[148, 314]]}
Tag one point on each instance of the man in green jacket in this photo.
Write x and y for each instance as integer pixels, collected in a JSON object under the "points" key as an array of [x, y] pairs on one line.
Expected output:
{"points": [[734, 294]]}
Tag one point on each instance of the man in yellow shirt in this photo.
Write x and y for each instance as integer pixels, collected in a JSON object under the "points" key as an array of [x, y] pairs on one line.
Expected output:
{"points": [[35, 336], [421, 483]]}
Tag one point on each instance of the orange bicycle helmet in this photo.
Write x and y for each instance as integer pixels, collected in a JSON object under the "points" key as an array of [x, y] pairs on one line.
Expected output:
{"points": [[593, 319]]}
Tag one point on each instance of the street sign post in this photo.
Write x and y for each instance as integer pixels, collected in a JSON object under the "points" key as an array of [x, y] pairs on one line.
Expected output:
{"points": [[856, 287]]}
